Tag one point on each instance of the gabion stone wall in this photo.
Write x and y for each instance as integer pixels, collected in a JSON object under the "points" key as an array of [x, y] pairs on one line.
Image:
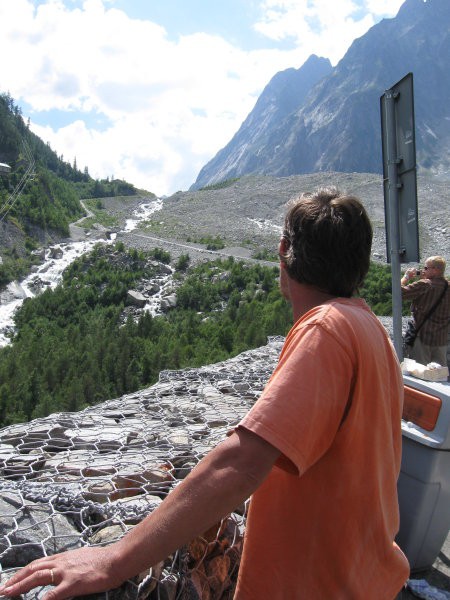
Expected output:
{"points": [[75, 479]]}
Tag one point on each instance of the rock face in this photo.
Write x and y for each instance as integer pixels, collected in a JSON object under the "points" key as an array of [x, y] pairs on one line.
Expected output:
{"points": [[75, 479], [334, 125], [247, 151]]}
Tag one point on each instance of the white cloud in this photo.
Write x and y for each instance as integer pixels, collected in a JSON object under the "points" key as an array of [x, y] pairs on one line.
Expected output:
{"points": [[324, 27], [170, 105], [97, 59], [384, 7]]}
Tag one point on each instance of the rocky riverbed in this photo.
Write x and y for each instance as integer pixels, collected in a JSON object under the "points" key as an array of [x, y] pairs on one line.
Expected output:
{"points": [[248, 216]]}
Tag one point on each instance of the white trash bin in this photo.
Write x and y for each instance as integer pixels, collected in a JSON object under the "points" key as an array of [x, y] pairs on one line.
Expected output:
{"points": [[424, 482]]}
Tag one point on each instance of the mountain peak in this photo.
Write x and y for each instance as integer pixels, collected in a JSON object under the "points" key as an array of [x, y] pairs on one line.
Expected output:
{"points": [[283, 96], [319, 118]]}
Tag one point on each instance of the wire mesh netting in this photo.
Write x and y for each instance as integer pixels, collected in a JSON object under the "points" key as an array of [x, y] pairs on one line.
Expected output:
{"points": [[74, 479]]}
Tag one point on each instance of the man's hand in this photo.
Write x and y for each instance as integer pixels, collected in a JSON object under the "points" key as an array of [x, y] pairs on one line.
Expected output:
{"points": [[76, 573], [410, 273]]}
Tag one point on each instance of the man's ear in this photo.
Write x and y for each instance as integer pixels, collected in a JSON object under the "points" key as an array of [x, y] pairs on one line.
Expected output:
{"points": [[283, 246]]}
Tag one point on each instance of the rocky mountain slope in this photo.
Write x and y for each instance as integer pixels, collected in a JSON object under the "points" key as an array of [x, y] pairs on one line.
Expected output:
{"points": [[334, 124], [247, 151], [249, 212]]}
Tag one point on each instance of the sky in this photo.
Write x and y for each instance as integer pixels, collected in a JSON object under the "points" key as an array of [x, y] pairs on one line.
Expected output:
{"points": [[150, 90]]}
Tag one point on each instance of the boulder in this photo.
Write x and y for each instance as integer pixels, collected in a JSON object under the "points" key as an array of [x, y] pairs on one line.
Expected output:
{"points": [[29, 531], [152, 289], [135, 298], [56, 252], [168, 302]]}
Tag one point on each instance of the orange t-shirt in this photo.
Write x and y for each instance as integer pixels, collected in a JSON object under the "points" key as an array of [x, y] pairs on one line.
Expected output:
{"points": [[322, 525]]}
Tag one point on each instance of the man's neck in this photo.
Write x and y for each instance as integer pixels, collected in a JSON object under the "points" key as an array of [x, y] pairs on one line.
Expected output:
{"points": [[305, 297]]}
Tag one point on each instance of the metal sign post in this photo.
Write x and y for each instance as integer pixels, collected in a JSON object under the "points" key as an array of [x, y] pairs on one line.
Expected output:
{"points": [[400, 189], [392, 222]]}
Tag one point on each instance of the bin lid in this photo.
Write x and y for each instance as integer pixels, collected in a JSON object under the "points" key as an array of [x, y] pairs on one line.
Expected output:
{"points": [[426, 414]]}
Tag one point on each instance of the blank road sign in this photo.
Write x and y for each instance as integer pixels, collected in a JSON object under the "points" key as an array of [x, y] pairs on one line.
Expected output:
{"points": [[406, 183]]}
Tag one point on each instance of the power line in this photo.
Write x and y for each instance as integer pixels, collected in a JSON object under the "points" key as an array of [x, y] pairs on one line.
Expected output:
{"points": [[9, 203]]}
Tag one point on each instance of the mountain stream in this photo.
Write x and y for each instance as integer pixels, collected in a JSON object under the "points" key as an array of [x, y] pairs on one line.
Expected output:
{"points": [[49, 273]]}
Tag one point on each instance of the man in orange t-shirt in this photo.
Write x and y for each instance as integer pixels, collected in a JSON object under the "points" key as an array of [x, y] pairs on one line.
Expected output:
{"points": [[319, 452], [322, 525], [323, 522]]}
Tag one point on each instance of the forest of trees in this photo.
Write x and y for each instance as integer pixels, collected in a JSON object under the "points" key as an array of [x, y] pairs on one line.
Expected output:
{"points": [[72, 350], [73, 347]]}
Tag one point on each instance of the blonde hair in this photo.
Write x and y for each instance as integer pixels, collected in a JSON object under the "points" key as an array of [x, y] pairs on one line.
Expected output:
{"points": [[438, 262]]}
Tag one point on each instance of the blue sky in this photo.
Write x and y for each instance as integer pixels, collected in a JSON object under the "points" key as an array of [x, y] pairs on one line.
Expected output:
{"points": [[230, 19], [150, 90]]}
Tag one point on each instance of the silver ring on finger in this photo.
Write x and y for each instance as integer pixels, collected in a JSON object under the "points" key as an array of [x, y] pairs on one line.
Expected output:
{"points": [[52, 575]]}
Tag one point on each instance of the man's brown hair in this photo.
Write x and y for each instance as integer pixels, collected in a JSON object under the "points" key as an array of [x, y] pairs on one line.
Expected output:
{"points": [[328, 241]]}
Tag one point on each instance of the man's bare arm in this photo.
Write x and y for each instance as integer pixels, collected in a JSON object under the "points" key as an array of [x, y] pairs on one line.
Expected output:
{"points": [[226, 477]]}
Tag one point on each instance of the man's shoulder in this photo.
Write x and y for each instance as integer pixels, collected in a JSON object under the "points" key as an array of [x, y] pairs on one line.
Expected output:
{"points": [[439, 282], [437, 285], [344, 306], [341, 325], [340, 313]]}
